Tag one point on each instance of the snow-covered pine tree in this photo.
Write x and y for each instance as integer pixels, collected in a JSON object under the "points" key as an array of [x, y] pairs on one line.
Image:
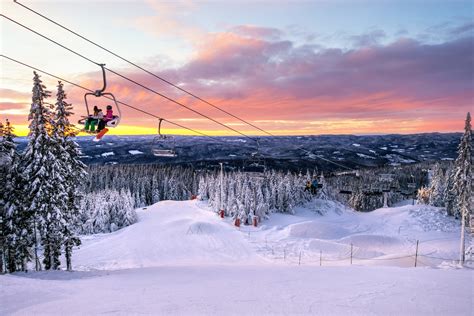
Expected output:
{"points": [[463, 180], [461, 173], [3, 170], [106, 212], [73, 170], [17, 227], [42, 173], [356, 200], [449, 195], [8, 156], [100, 211], [324, 193], [123, 213], [18, 220], [6, 143], [437, 187]]}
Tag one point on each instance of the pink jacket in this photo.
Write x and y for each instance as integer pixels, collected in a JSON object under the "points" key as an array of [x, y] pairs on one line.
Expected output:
{"points": [[109, 115]]}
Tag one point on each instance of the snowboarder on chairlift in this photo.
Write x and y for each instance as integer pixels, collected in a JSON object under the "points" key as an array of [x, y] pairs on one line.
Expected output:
{"points": [[93, 119], [314, 186], [108, 117]]}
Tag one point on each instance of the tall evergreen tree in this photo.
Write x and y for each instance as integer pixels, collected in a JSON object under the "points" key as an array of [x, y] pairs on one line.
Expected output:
{"points": [[72, 171], [463, 179], [16, 221], [449, 194], [437, 187], [38, 160], [7, 156]]}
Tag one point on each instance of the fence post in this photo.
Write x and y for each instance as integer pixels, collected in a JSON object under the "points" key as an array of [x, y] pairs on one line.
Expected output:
{"points": [[299, 260], [320, 257], [416, 253], [351, 253]]}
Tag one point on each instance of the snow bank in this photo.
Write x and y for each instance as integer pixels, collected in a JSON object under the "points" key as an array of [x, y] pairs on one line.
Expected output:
{"points": [[385, 236], [167, 233], [181, 233]]}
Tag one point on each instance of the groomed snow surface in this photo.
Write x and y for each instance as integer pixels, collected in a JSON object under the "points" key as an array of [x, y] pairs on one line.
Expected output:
{"points": [[182, 259]]}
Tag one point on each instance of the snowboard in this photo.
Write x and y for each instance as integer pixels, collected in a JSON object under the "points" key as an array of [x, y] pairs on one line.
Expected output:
{"points": [[101, 134]]}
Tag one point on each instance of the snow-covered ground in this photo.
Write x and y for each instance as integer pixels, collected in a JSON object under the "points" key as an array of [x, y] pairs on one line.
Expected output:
{"points": [[180, 258], [135, 152]]}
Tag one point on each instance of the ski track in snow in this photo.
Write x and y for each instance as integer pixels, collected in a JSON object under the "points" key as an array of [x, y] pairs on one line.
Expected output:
{"points": [[182, 259]]}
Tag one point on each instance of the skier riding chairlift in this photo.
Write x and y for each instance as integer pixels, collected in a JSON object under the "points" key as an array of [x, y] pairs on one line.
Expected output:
{"points": [[114, 120]]}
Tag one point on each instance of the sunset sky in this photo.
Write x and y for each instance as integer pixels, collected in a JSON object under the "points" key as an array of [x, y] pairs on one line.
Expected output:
{"points": [[290, 67]]}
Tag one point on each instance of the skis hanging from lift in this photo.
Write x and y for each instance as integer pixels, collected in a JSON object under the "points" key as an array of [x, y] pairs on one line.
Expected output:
{"points": [[101, 134]]}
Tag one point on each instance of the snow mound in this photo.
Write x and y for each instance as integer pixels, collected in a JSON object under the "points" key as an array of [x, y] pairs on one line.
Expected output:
{"points": [[167, 233], [384, 237], [172, 233]]}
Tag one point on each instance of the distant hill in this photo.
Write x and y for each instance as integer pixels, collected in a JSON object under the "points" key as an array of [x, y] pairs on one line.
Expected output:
{"points": [[281, 152]]}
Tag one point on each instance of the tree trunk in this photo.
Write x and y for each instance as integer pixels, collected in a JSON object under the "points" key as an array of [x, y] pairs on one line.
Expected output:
{"points": [[462, 249], [2, 259], [68, 256], [37, 262]]}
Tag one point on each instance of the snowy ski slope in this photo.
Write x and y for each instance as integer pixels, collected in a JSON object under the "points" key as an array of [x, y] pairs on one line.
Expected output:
{"points": [[182, 259], [183, 233]]}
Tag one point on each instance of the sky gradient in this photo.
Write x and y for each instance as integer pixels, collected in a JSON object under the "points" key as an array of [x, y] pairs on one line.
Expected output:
{"points": [[292, 68]]}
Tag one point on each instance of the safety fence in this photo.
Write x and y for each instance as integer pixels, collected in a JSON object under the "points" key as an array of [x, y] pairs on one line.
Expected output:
{"points": [[418, 255]]}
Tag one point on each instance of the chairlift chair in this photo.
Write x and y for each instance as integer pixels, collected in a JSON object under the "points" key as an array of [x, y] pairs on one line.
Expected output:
{"points": [[99, 93], [163, 145], [345, 190], [372, 193]]}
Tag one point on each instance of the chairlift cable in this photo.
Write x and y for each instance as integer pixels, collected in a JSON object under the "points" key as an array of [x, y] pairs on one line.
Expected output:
{"points": [[179, 103], [128, 79], [322, 158], [141, 85], [123, 103], [145, 112], [143, 69]]}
